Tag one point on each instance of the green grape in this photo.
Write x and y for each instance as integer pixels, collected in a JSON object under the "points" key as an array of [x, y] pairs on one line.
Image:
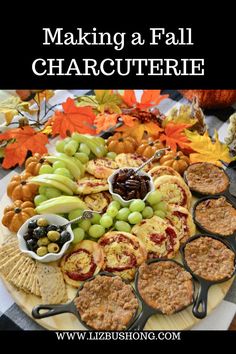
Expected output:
{"points": [[82, 157], [96, 231], [84, 148], [45, 169], [96, 218], [71, 147], [60, 145], [160, 213], [154, 197], [122, 226], [39, 199], [123, 214], [111, 155], [112, 211], [137, 205], [135, 217], [147, 212], [52, 192], [106, 221], [160, 206], [75, 214], [67, 139], [84, 224], [79, 235], [63, 172], [42, 189], [92, 156], [58, 164], [115, 204]]}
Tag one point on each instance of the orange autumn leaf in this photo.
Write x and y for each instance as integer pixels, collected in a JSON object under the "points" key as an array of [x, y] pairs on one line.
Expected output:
{"points": [[149, 98], [138, 129], [73, 119], [106, 121], [174, 136], [25, 139]]}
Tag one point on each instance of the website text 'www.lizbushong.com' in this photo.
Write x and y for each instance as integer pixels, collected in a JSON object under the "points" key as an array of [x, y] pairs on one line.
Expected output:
{"points": [[103, 336]]}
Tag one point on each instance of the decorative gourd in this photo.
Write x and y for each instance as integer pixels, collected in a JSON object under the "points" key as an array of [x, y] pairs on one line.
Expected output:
{"points": [[211, 98], [33, 164], [148, 147], [16, 214], [177, 160], [121, 143], [20, 188]]}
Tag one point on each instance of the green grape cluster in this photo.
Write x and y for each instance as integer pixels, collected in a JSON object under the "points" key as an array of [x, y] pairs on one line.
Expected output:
{"points": [[118, 218]]}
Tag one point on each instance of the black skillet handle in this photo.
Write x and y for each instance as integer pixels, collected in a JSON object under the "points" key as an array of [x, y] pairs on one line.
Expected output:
{"points": [[53, 310], [140, 322], [201, 300]]}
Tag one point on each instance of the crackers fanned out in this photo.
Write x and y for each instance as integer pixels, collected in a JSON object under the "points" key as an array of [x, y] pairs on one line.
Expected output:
{"points": [[31, 276]]}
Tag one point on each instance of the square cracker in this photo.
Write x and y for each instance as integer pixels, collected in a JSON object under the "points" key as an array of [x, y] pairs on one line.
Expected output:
{"points": [[51, 284], [7, 267], [25, 273], [15, 276], [4, 259], [26, 285], [16, 267]]}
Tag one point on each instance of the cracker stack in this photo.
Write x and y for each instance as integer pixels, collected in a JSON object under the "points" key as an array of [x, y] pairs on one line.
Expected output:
{"points": [[33, 277]]}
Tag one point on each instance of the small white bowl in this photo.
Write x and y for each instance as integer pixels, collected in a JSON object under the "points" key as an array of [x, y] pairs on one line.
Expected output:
{"points": [[49, 257], [117, 197]]}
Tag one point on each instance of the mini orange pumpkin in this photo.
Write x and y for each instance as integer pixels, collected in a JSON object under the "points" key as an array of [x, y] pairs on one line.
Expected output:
{"points": [[16, 214], [121, 143], [177, 160], [33, 164], [20, 188], [148, 147]]}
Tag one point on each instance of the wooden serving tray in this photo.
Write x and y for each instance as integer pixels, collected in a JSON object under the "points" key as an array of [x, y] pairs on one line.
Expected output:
{"points": [[179, 321]]}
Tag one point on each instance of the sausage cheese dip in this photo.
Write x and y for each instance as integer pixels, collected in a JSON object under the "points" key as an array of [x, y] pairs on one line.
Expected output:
{"points": [[106, 303], [165, 286], [206, 178], [217, 216], [209, 258]]}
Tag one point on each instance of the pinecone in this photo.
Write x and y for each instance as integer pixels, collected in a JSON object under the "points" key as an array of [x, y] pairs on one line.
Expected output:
{"points": [[145, 116]]}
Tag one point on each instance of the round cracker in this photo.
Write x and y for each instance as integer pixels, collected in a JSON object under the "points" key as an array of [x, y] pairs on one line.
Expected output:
{"points": [[159, 171], [102, 167]]}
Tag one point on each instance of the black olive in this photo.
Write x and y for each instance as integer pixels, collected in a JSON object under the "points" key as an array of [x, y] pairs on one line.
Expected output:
{"points": [[27, 237], [32, 245], [39, 232], [52, 228], [32, 224], [65, 236]]}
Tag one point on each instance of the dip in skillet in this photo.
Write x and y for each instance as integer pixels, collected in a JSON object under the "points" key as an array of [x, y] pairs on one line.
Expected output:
{"points": [[106, 303], [206, 178]]}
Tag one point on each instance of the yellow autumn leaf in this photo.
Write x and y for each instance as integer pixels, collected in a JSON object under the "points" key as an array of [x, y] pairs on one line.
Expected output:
{"points": [[180, 115], [207, 150], [47, 130], [11, 107]]}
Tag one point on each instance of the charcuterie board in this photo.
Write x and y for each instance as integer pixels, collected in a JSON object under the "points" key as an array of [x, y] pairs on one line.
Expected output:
{"points": [[179, 321]]}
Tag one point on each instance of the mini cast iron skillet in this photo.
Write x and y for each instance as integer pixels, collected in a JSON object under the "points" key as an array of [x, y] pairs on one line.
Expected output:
{"points": [[231, 239], [146, 310], [201, 298], [229, 192], [70, 307]]}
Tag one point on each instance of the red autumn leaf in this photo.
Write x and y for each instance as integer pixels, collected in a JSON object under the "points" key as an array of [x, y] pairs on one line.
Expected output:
{"points": [[149, 98], [26, 139], [174, 135], [73, 119]]}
